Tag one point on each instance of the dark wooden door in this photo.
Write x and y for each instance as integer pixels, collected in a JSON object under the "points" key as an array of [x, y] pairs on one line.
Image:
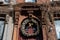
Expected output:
{"points": [[26, 31]]}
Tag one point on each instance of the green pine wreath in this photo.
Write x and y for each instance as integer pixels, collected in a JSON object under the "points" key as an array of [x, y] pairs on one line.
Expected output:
{"points": [[35, 25]]}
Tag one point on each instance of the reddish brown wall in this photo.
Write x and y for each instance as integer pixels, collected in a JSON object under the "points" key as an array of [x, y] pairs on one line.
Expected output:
{"points": [[42, 1], [20, 1]]}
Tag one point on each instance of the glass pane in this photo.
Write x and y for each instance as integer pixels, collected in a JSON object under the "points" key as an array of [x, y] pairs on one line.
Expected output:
{"points": [[7, 1], [1, 28], [57, 26], [29, 0]]}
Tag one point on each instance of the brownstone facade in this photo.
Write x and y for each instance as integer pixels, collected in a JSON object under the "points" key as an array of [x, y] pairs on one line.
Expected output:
{"points": [[44, 12], [41, 12]]}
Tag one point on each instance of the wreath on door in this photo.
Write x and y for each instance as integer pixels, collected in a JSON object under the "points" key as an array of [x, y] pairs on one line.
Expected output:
{"points": [[30, 27]]}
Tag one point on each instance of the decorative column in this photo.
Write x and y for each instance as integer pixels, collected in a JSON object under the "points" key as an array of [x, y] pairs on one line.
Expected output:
{"points": [[51, 34], [15, 32], [44, 27], [8, 28]]}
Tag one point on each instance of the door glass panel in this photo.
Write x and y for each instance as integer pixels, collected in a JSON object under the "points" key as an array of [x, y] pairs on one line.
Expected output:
{"points": [[1, 28], [57, 26]]}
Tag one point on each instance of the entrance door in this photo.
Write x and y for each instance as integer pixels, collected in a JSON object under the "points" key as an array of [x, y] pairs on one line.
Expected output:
{"points": [[30, 29], [28, 23]]}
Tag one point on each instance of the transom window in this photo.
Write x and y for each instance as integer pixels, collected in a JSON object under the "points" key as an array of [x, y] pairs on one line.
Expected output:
{"points": [[30, 0], [1, 29], [57, 26], [54, 0]]}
